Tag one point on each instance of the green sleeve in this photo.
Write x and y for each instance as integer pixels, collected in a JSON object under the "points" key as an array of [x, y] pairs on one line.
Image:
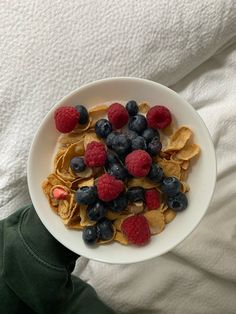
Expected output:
{"points": [[35, 271]]}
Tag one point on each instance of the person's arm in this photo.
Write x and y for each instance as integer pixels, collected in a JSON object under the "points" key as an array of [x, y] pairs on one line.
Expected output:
{"points": [[36, 271]]}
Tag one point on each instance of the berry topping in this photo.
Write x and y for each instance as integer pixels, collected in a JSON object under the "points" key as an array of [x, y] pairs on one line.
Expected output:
{"points": [[110, 138], [139, 143], [135, 194], [138, 163], [156, 173], [109, 187], [118, 171], [97, 211], [90, 235], [59, 193], [136, 229], [152, 199], [138, 123], [95, 154], [105, 230], [77, 164], [117, 115], [149, 134], [177, 202], [170, 186], [131, 135], [112, 158], [121, 144], [118, 204], [132, 107], [154, 147], [158, 117], [103, 128], [83, 114], [66, 118], [86, 195]]}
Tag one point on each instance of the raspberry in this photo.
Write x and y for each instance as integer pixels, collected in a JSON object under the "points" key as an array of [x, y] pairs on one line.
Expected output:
{"points": [[95, 154], [109, 187], [158, 117], [138, 163], [59, 194], [152, 199], [117, 115], [66, 118], [136, 229]]}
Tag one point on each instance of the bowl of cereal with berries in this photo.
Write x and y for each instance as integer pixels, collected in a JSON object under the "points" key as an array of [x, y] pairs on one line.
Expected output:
{"points": [[121, 170]]}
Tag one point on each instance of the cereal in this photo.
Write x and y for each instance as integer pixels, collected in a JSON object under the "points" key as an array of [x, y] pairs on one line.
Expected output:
{"points": [[184, 187], [112, 215], [97, 113], [155, 220], [169, 215], [170, 167], [61, 185], [188, 152], [144, 107], [179, 139], [120, 237], [144, 182], [185, 164]]}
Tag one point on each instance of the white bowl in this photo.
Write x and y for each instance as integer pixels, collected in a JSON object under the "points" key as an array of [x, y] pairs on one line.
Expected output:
{"points": [[201, 179]]}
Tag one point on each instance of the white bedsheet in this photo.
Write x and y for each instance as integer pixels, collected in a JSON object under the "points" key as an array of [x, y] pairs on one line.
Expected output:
{"points": [[49, 48]]}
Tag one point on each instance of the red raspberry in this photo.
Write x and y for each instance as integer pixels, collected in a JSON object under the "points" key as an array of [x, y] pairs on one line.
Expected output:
{"points": [[59, 194], [158, 117], [136, 229], [66, 118], [117, 115], [138, 163], [152, 199], [109, 187], [95, 154]]}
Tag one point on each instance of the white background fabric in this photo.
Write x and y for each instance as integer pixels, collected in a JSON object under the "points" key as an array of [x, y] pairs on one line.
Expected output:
{"points": [[48, 48]]}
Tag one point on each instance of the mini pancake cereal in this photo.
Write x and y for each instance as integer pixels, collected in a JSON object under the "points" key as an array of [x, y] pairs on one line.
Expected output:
{"points": [[109, 202]]}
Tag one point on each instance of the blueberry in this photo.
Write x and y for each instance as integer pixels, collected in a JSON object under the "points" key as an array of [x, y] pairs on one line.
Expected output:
{"points": [[119, 204], [110, 138], [139, 143], [77, 164], [90, 235], [154, 147], [132, 107], [103, 127], [121, 144], [105, 229], [177, 202], [156, 173], [83, 119], [112, 158], [118, 171], [86, 195], [135, 194], [131, 135], [170, 186], [149, 134], [138, 123], [97, 211]]}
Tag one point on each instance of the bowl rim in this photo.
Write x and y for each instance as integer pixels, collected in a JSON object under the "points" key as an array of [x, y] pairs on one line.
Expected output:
{"points": [[113, 80]]}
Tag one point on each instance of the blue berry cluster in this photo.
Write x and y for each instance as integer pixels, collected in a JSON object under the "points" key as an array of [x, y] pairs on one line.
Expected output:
{"points": [[137, 136]]}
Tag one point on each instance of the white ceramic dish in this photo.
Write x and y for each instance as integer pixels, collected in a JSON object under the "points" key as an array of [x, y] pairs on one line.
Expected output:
{"points": [[201, 179]]}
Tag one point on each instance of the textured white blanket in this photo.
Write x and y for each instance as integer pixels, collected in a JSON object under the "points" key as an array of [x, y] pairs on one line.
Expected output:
{"points": [[48, 48]]}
